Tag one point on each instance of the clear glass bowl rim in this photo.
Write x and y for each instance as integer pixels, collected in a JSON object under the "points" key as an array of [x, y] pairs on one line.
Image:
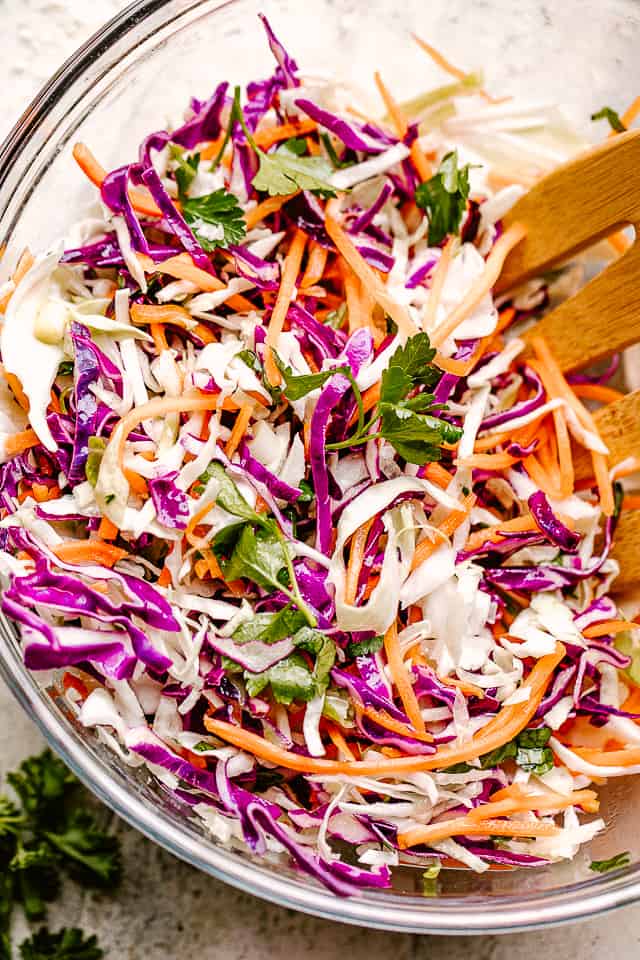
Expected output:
{"points": [[451, 915]]}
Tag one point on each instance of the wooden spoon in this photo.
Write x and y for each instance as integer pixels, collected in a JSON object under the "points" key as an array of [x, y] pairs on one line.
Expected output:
{"points": [[578, 204]]}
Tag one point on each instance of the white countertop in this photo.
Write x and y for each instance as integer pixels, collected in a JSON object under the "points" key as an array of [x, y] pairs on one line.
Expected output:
{"points": [[163, 905]]}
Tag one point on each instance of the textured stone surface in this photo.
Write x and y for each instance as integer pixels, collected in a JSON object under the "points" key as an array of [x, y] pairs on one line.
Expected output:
{"points": [[164, 907]]}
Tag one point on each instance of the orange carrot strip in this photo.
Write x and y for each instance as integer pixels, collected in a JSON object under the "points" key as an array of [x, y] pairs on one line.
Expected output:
{"points": [[368, 277], [507, 724], [438, 475], [587, 799], [523, 524], [488, 461], [107, 529], [316, 264], [401, 678], [565, 458], [556, 384], [182, 267], [480, 287], [239, 429], [265, 209], [464, 826], [607, 627], [16, 388], [356, 556], [596, 391], [449, 68], [631, 113], [19, 442], [137, 483], [142, 201], [89, 551], [396, 726], [394, 111], [610, 758], [161, 313], [339, 741], [448, 526], [469, 689], [269, 135], [540, 477], [437, 283], [289, 276]]}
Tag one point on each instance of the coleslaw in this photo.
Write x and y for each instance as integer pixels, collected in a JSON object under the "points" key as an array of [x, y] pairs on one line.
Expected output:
{"points": [[289, 509]]}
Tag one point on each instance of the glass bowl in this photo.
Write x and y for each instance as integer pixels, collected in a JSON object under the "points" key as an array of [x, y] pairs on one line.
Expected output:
{"points": [[133, 76]]}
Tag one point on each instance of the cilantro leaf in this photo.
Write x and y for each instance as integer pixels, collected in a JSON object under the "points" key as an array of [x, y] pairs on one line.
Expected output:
{"points": [[324, 650], [411, 365], [532, 753], [37, 880], [416, 437], [89, 854], [444, 198], [11, 820], [298, 386], [614, 863], [606, 113], [66, 944], [228, 496], [216, 219], [251, 360], [270, 627], [361, 648], [42, 782], [290, 679], [258, 555], [284, 171]]}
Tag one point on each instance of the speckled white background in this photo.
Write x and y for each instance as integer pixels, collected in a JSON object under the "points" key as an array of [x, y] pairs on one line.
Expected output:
{"points": [[164, 907]]}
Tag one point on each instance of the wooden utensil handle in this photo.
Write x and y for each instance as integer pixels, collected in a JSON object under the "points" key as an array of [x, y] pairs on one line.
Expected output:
{"points": [[626, 550], [576, 205], [619, 426], [602, 318]]}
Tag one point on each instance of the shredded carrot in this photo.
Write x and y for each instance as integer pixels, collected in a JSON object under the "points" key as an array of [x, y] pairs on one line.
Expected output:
{"points": [[16, 388], [565, 458], [448, 526], [480, 287], [437, 283], [465, 826], [396, 726], [469, 689], [356, 556], [556, 385], [488, 461], [607, 627], [631, 113], [71, 682], [141, 200], [521, 802], [269, 135], [596, 391], [161, 313], [359, 304], [437, 474], [137, 483], [338, 740], [41, 492], [239, 429], [164, 580], [540, 477], [89, 551], [265, 209], [448, 67], [524, 524], [289, 276], [19, 442], [629, 757], [107, 529], [368, 277], [316, 263], [159, 337], [401, 679]]}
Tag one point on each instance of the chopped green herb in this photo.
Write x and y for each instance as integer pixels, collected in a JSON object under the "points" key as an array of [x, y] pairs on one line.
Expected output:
{"points": [[66, 944], [216, 219], [185, 168], [614, 863], [606, 113], [270, 627], [363, 647], [97, 446], [444, 198]]}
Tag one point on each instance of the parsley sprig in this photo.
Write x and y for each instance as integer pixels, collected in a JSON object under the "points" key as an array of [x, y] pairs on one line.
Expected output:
{"points": [[404, 414], [255, 546], [444, 198], [45, 834]]}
